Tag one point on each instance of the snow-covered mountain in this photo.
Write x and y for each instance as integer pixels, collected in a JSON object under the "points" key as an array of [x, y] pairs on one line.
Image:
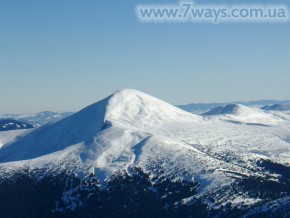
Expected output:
{"points": [[139, 155], [277, 107], [37, 119], [243, 114], [9, 124], [126, 109], [230, 109]]}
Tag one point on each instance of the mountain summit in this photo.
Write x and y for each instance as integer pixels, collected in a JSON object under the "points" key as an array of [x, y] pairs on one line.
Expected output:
{"points": [[136, 108]]}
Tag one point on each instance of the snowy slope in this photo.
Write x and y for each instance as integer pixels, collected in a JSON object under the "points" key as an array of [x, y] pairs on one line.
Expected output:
{"points": [[131, 129], [9, 136]]}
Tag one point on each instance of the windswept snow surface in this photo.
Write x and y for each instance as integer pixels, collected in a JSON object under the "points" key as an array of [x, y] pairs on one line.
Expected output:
{"points": [[131, 129]]}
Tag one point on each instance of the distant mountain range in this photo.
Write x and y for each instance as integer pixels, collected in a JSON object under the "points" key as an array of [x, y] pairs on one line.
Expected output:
{"points": [[38, 119], [204, 107]]}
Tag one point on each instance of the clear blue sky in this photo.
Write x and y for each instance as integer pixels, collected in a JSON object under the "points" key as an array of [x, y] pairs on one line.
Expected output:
{"points": [[66, 54]]}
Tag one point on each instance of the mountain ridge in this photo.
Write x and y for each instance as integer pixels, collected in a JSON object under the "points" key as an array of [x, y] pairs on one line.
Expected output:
{"points": [[203, 107], [277, 107]]}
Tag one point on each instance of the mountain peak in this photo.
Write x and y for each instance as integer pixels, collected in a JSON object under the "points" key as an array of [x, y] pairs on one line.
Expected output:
{"points": [[135, 107], [126, 108]]}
